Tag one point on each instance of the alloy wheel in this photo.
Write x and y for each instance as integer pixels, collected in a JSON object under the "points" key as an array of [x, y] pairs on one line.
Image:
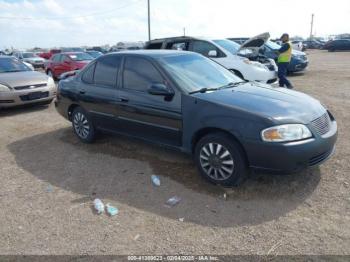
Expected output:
{"points": [[216, 161], [81, 125]]}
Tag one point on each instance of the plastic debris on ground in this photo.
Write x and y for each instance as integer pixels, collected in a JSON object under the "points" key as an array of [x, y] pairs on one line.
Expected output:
{"points": [[137, 237], [173, 201], [49, 189], [181, 219], [155, 180], [111, 210], [99, 206]]}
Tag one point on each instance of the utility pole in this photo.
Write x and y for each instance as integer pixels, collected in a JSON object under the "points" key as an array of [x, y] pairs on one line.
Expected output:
{"points": [[184, 31], [149, 20], [312, 25]]}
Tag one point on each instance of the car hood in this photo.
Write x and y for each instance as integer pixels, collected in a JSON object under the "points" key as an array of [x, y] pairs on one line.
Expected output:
{"points": [[34, 59], [23, 78], [81, 64], [255, 42], [280, 105]]}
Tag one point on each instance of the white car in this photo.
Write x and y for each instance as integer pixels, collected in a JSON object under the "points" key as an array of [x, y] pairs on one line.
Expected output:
{"points": [[298, 45], [222, 51], [31, 58]]}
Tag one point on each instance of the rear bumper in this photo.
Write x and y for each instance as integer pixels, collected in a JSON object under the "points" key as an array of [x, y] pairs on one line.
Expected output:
{"points": [[23, 97], [293, 156]]}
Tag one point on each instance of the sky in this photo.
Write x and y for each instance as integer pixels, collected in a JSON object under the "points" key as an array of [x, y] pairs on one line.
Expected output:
{"points": [[57, 23]]}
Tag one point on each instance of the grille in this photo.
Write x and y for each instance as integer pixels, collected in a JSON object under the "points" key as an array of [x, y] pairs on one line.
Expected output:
{"points": [[34, 96], [29, 86], [322, 125]]}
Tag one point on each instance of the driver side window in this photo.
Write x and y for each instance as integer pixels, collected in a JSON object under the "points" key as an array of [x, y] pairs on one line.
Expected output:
{"points": [[139, 74], [203, 48]]}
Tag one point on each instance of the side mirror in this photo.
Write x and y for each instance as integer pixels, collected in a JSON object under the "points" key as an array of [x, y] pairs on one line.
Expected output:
{"points": [[160, 90], [212, 53]]}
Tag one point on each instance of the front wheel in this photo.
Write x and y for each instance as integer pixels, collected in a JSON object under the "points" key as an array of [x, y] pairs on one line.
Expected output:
{"points": [[82, 125], [221, 160]]}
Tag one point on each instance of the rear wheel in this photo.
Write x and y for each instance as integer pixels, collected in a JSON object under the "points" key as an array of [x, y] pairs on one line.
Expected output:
{"points": [[82, 125], [221, 160]]}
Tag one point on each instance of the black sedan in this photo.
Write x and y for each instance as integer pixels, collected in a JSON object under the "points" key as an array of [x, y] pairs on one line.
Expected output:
{"points": [[188, 102]]}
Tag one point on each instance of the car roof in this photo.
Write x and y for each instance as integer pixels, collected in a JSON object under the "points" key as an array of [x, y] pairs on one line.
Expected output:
{"points": [[175, 38], [152, 53], [69, 53]]}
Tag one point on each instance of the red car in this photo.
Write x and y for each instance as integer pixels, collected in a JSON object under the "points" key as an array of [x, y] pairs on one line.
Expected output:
{"points": [[47, 55], [65, 62]]}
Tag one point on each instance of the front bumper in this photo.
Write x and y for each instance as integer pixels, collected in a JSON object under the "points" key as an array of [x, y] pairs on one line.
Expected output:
{"points": [[299, 66], [28, 96], [37, 64], [292, 156]]}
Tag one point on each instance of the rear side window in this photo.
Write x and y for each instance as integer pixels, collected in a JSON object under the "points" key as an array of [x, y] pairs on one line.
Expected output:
{"points": [[56, 58], [88, 75], [106, 71], [177, 46], [155, 45], [139, 74]]}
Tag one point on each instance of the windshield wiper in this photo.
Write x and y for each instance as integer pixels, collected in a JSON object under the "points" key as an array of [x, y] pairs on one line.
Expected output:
{"points": [[203, 90], [12, 71], [233, 84]]}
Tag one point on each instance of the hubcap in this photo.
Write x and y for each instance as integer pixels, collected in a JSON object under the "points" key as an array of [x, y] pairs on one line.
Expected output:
{"points": [[216, 161], [81, 125]]}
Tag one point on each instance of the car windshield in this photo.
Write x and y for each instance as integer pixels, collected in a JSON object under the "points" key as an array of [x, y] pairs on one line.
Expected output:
{"points": [[29, 55], [8, 64], [80, 56], [230, 46], [72, 49], [194, 72], [272, 45]]}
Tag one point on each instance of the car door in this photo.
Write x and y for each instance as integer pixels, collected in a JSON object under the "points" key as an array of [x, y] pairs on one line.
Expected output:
{"points": [[206, 48], [55, 60], [62, 66], [141, 114], [97, 91]]}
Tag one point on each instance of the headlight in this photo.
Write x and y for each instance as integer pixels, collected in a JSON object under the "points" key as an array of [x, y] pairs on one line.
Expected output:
{"points": [[285, 133], [4, 88], [50, 82]]}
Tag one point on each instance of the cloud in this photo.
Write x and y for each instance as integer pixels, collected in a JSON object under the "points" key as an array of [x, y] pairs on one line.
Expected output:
{"points": [[99, 22]]}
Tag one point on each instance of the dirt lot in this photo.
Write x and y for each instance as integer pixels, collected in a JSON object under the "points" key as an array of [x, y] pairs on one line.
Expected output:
{"points": [[49, 178]]}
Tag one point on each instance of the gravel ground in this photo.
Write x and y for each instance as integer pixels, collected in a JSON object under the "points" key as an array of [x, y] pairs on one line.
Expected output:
{"points": [[49, 179]]}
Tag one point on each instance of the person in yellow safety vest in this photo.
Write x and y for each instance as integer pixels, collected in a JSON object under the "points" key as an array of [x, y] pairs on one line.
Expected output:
{"points": [[284, 57]]}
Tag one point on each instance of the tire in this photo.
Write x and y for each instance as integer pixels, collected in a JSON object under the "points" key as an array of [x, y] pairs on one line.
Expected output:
{"points": [[221, 160], [83, 126]]}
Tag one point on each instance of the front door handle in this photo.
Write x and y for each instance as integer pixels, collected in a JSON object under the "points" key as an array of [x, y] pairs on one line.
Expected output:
{"points": [[123, 99], [82, 91]]}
